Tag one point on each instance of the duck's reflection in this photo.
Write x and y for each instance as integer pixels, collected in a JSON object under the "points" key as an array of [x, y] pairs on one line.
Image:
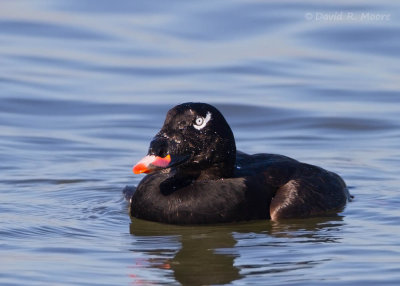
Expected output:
{"points": [[204, 255], [196, 261]]}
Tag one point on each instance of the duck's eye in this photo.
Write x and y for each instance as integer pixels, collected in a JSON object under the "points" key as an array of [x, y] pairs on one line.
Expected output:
{"points": [[200, 122]]}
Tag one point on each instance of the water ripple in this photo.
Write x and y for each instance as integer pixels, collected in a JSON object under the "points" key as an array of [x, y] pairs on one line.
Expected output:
{"points": [[86, 86], [37, 29]]}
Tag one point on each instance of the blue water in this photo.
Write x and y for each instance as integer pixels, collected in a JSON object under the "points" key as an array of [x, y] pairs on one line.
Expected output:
{"points": [[84, 85]]}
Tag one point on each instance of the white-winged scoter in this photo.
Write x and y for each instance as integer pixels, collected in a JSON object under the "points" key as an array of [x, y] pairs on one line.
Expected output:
{"points": [[196, 176]]}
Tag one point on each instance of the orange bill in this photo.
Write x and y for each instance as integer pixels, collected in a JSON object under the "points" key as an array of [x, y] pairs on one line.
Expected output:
{"points": [[151, 163]]}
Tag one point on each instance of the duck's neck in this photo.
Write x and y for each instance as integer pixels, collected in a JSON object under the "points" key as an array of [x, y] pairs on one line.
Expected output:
{"points": [[179, 178], [175, 181], [214, 172]]}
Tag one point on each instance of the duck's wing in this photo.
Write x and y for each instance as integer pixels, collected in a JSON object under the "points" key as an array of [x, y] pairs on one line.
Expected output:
{"points": [[311, 191]]}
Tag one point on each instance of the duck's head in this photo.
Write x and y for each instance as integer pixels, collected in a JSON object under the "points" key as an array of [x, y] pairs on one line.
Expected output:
{"points": [[195, 139]]}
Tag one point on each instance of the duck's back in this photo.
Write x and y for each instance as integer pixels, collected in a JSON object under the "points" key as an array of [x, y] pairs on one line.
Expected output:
{"points": [[298, 189]]}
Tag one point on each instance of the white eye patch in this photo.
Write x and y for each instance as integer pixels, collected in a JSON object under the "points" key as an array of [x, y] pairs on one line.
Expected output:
{"points": [[201, 122]]}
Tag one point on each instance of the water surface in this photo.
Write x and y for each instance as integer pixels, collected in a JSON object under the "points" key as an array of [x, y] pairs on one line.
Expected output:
{"points": [[86, 84]]}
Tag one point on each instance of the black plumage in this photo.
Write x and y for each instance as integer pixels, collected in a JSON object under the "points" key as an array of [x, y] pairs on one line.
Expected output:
{"points": [[208, 181]]}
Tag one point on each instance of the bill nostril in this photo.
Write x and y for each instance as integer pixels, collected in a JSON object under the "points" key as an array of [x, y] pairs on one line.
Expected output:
{"points": [[158, 147]]}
